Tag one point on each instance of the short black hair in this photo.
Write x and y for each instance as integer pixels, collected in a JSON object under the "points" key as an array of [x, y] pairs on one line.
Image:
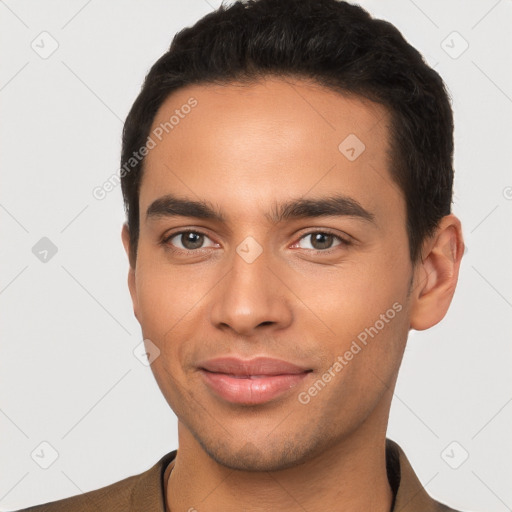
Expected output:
{"points": [[334, 44]]}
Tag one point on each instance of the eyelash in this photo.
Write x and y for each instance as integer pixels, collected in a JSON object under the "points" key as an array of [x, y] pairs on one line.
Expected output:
{"points": [[187, 252]]}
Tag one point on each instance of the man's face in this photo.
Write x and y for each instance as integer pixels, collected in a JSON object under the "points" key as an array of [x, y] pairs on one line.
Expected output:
{"points": [[294, 285]]}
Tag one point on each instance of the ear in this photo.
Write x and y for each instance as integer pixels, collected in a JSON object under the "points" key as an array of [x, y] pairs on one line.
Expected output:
{"points": [[125, 236], [436, 274]]}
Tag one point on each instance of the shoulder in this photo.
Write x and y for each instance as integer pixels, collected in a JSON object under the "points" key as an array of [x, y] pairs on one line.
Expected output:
{"points": [[107, 498], [137, 492]]}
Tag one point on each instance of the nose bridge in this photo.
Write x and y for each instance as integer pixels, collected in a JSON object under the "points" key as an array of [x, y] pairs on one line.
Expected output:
{"points": [[250, 295]]}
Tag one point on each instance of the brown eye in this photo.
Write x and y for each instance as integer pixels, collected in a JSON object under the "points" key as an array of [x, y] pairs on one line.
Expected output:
{"points": [[321, 241], [192, 240], [188, 240]]}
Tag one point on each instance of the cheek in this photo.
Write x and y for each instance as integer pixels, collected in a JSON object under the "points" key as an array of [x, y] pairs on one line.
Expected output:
{"points": [[381, 280], [365, 306], [166, 304], [165, 293], [353, 296], [159, 305], [365, 355], [378, 313], [172, 304]]}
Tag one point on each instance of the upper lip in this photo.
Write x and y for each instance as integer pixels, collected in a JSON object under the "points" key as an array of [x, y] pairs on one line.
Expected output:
{"points": [[256, 366]]}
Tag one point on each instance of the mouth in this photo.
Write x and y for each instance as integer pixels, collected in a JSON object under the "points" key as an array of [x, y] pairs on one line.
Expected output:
{"points": [[251, 382]]}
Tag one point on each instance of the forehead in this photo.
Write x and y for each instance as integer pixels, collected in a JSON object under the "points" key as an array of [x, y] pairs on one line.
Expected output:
{"points": [[270, 105], [254, 142]]}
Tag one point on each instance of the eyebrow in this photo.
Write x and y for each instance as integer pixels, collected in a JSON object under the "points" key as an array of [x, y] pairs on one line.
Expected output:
{"points": [[331, 206]]}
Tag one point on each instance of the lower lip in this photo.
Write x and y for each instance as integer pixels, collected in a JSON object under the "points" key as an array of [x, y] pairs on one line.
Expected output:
{"points": [[251, 391]]}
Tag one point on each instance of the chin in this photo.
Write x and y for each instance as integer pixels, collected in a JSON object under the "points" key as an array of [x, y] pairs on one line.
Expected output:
{"points": [[250, 457]]}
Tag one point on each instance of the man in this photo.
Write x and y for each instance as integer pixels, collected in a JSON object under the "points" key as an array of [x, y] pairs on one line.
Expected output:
{"points": [[287, 176]]}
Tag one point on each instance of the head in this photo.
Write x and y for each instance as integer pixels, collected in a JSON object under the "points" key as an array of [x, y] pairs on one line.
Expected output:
{"points": [[287, 177]]}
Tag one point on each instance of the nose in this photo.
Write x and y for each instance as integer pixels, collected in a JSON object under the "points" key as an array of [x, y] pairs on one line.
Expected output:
{"points": [[251, 298]]}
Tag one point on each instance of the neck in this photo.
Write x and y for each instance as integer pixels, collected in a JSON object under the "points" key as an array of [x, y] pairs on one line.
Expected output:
{"points": [[351, 477]]}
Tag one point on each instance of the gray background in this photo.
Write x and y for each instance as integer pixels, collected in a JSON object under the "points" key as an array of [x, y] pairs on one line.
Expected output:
{"points": [[67, 369]]}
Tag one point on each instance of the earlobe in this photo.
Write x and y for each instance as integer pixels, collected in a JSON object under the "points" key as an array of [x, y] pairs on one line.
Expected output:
{"points": [[437, 274]]}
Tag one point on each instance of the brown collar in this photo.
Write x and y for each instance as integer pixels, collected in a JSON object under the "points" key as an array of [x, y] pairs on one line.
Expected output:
{"points": [[150, 490]]}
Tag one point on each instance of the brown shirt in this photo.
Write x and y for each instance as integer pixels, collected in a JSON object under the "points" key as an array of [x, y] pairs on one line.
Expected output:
{"points": [[146, 492]]}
